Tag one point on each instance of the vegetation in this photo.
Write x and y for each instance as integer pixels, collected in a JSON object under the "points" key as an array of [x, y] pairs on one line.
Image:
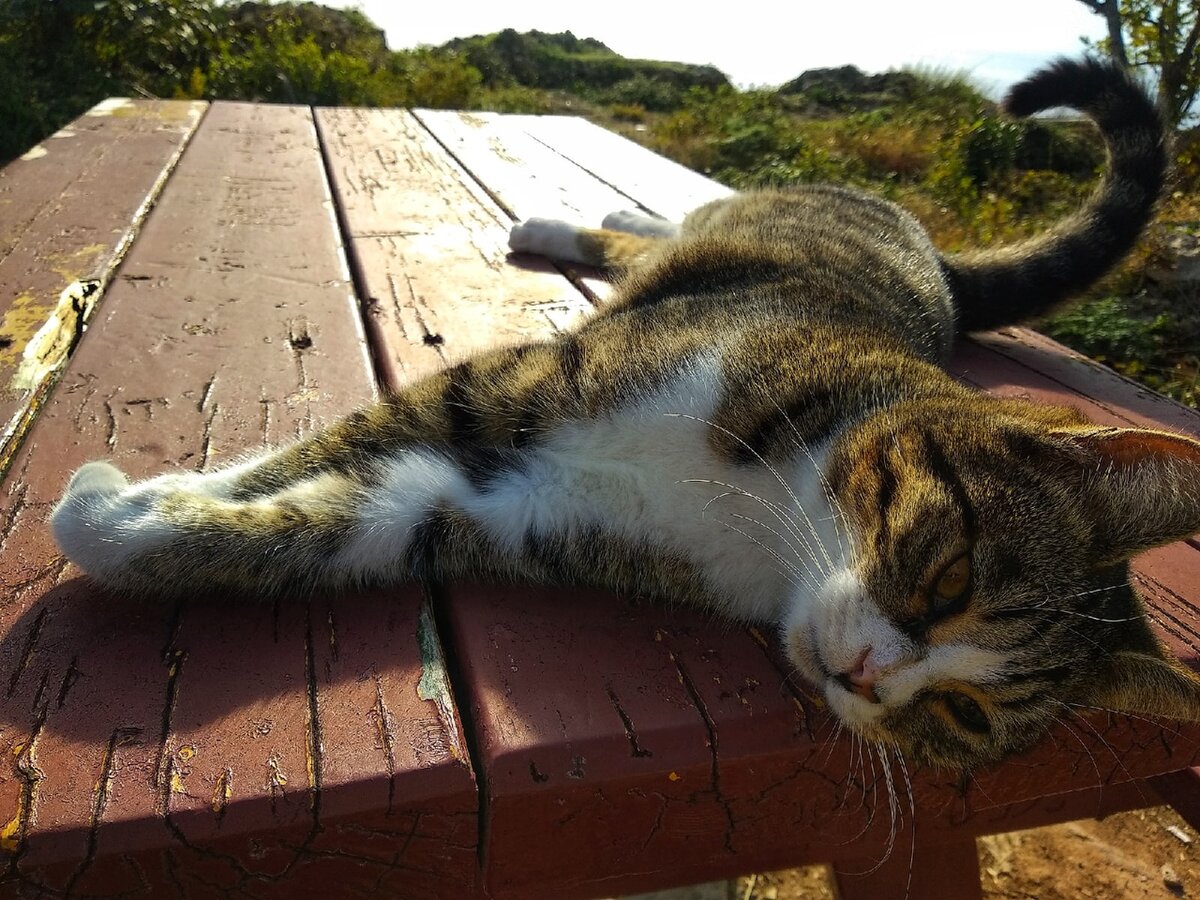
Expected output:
{"points": [[929, 139]]}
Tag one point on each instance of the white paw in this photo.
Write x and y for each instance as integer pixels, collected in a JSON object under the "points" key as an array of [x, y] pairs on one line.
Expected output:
{"points": [[102, 520], [633, 222], [547, 237], [96, 479]]}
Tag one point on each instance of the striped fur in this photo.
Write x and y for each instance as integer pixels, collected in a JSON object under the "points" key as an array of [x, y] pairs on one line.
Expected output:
{"points": [[757, 423]]}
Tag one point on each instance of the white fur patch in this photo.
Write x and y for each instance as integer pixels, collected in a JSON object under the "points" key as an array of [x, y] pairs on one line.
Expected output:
{"points": [[646, 473], [415, 482]]}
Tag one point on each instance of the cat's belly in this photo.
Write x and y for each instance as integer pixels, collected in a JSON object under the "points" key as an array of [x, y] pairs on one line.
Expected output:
{"points": [[647, 475]]}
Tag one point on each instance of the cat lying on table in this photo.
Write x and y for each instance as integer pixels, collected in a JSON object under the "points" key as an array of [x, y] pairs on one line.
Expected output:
{"points": [[757, 423]]}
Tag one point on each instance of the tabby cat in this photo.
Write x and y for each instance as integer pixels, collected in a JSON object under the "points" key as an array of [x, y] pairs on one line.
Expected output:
{"points": [[757, 423]]}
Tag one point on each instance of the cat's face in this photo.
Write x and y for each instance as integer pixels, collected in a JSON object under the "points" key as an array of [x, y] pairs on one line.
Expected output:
{"points": [[986, 595]]}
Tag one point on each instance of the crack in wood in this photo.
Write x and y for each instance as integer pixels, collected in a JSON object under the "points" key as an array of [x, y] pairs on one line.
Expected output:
{"points": [[13, 834], [711, 729], [635, 747], [110, 438], [387, 739], [314, 747], [26, 655], [121, 736], [13, 515], [174, 660], [206, 393], [69, 678], [206, 442]]}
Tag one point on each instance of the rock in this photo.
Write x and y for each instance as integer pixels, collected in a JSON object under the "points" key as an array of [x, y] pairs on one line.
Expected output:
{"points": [[1171, 880], [1178, 257]]}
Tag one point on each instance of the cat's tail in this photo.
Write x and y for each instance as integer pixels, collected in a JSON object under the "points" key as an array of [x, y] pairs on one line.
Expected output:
{"points": [[1003, 285]]}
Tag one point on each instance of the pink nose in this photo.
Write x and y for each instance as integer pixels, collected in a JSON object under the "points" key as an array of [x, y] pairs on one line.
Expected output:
{"points": [[861, 677]]}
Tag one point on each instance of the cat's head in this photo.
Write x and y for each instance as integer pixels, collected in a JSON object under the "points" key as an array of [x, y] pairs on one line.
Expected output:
{"points": [[987, 592]]}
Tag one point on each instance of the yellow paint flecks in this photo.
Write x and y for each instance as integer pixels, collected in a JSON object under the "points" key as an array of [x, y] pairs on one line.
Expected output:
{"points": [[674, 776], [222, 792], [276, 779], [46, 351], [109, 107], [177, 785], [10, 834], [18, 749], [187, 753]]}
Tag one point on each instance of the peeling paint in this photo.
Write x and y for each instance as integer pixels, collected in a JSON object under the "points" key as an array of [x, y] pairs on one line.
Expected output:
{"points": [[222, 792], [36, 152], [109, 107], [435, 683], [48, 349], [276, 779], [10, 834]]}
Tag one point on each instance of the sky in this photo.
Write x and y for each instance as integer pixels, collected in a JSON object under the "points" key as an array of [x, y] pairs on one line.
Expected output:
{"points": [[756, 42]]}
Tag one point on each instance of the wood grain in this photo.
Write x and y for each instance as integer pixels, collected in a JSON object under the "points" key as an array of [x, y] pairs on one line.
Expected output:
{"points": [[69, 209], [430, 249], [658, 185], [254, 747]]}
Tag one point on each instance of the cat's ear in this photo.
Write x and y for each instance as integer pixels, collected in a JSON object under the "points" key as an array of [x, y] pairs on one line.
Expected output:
{"points": [[1141, 488], [1148, 684]]}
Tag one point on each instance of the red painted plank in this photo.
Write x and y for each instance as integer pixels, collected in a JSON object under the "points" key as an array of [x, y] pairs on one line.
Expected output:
{"points": [[659, 185], [175, 749], [68, 210], [430, 249], [944, 872]]}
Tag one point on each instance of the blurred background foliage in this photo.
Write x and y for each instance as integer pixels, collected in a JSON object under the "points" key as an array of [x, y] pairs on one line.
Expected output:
{"points": [[929, 139]]}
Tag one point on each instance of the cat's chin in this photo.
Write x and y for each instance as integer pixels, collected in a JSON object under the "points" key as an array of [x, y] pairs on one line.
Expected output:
{"points": [[855, 712]]}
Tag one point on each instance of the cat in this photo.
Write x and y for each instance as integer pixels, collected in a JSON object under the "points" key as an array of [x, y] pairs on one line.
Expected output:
{"points": [[758, 423]]}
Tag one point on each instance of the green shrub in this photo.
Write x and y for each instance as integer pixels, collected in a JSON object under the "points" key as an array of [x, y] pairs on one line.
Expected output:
{"points": [[1105, 330]]}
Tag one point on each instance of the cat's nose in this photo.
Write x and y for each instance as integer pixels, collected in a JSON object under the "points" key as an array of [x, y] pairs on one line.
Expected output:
{"points": [[861, 677]]}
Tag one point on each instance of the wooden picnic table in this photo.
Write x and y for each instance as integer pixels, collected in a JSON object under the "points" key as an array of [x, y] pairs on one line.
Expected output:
{"points": [[182, 282]]}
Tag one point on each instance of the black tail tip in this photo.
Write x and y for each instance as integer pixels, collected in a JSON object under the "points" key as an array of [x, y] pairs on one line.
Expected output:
{"points": [[1075, 83]]}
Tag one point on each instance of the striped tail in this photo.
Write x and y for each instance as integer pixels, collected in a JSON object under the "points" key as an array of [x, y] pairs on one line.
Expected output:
{"points": [[1006, 284]]}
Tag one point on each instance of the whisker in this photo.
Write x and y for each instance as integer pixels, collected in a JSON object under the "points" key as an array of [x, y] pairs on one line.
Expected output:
{"points": [[1108, 746], [826, 487], [912, 808], [770, 468], [770, 552], [778, 511], [1157, 723]]}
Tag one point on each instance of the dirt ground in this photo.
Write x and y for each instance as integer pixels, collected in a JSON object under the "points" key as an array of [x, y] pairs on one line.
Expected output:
{"points": [[1144, 855]]}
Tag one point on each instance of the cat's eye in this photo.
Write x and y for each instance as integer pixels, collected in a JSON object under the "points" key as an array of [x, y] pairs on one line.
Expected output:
{"points": [[968, 713], [952, 584]]}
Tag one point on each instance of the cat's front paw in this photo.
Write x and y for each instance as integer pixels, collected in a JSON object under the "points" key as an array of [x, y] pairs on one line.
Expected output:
{"points": [[546, 237]]}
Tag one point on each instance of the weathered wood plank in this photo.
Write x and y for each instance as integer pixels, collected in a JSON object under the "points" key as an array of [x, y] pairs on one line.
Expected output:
{"points": [[69, 209], [678, 741], [659, 185], [525, 176], [163, 749], [430, 249]]}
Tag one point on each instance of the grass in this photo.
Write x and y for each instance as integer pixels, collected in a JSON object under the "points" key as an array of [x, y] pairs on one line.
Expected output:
{"points": [[972, 178]]}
